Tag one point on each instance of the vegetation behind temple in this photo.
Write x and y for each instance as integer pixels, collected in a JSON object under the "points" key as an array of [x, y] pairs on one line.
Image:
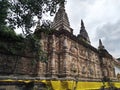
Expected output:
{"points": [[16, 49], [21, 13]]}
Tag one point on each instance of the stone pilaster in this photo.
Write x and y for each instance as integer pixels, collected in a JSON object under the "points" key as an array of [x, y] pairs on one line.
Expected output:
{"points": [[53, 58], [66, 70]]}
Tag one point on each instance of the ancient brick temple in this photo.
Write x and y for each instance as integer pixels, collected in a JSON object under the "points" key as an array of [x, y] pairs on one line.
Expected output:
{"points": [[70, 56], [73, 63]]}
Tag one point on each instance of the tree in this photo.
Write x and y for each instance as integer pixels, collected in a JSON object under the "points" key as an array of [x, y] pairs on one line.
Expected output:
{"points": [[3, 12], [21, 13]]}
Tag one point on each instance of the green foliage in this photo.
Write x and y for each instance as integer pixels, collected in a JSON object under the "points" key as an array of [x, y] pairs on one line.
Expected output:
{"points": [[16, 48], [9, 34], [27, 45], [35, 47], [21, 13], [46, 27], [10, 42], [3, 11], [16, 44]]}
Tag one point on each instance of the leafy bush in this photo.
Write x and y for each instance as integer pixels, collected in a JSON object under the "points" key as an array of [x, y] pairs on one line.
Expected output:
{"points": [[8, 34]]}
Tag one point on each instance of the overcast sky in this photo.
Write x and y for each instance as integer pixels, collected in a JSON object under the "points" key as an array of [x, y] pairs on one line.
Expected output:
{"points": [[101, 19]]}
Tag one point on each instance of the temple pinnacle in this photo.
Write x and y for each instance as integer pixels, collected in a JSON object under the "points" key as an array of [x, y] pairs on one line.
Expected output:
{"points": [[82, 24], [62, 4], [83, 33], [100, 44], [61, 21]]}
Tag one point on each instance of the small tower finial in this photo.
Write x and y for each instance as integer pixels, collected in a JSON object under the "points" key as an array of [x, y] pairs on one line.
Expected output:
{"points": [[82, 24], [100, 42], [62, 4], [61, 21], [100, 45], [83, 33]]}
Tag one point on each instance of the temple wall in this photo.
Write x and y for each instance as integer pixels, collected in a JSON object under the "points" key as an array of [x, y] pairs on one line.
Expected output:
{"points": [[69, 59]]}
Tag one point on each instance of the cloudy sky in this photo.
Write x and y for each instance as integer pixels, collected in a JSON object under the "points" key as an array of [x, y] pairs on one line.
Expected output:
{"points": [[101, 19]]}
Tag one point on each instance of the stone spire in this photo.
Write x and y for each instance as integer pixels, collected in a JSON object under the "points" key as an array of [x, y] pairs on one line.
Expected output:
{"points": [[100, 45], [82, 24], [83, 33], [61, 19]]}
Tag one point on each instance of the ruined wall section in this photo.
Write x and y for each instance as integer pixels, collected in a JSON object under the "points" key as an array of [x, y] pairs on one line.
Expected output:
{"points": [[14, 61]]}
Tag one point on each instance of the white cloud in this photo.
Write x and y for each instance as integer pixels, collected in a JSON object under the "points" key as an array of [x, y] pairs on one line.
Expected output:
{"points": [[101, 19], [96, 14]]}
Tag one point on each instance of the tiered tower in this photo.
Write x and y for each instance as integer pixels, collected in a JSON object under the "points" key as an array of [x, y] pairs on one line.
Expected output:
{"points": [[83, 35], [61, 19]]}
